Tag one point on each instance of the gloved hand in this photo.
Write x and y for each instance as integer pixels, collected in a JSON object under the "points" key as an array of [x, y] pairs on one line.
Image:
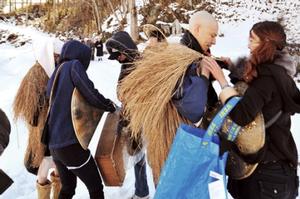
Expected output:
{"points": [[113, 107], [225, 145]]}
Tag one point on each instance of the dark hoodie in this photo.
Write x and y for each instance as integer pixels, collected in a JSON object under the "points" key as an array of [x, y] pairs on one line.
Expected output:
{"points": [[273, 90], [75, 58], [121, 42]]}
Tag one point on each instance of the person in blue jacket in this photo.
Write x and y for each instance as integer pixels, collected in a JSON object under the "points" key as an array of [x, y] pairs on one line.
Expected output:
{"points": [[196, 92], [71, 159]]}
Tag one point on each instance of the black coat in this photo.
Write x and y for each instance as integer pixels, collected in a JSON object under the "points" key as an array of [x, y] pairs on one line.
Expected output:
{"points": [[99, 48], [273, 90], [4, 131]]}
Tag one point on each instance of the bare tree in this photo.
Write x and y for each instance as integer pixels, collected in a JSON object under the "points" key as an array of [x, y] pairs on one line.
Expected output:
{"points": [[96, 15], [133, 21], [55, 11]]}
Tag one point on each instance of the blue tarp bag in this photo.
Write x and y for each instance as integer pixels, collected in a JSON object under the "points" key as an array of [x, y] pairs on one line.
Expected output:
{"points": [[194, 160]]}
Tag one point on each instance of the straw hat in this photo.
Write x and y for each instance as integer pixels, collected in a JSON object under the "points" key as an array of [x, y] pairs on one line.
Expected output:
{"points": [[153, 31]]}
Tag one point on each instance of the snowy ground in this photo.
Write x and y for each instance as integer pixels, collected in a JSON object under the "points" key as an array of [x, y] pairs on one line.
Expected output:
{"points": [[15, 62]]}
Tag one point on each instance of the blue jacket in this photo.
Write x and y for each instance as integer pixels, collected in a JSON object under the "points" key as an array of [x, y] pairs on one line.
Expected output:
{"points": [[191, 97], [75, 58]]}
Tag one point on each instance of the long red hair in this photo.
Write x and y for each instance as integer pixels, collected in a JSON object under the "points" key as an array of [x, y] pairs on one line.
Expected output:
{"points": [[272, 38]]}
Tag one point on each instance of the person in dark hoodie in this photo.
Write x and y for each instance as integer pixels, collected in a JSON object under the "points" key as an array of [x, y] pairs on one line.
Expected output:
{"points": [[122, 48], [272, 91], [71, 159]]}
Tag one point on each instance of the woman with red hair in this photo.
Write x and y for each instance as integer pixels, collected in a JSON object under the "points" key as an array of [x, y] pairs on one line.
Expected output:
{"points": [[272, 91]]}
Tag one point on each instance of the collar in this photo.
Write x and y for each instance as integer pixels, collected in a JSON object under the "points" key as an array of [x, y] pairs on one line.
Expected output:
{"points": [[191, 42]]}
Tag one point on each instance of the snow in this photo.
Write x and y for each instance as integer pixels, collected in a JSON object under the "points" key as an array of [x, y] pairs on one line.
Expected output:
{"points": [[15, 62]]}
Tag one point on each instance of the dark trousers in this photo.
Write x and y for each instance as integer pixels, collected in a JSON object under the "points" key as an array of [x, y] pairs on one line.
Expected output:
{"points": [[141, 186], [274, 180], [74, 156]]}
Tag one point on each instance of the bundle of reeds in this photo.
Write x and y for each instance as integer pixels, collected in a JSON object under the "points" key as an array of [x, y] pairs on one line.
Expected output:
{"points": [[146, 95], [35, 150], [33, 86], [30, 100]]}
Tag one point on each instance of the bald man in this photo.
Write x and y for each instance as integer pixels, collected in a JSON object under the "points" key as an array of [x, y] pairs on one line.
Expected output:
{"points": [[201, 35]]}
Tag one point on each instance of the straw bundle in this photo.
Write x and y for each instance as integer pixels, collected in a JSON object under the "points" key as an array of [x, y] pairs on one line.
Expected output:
{"points": [[32, 87], [35, 150], [146, 95], [30, 100]]}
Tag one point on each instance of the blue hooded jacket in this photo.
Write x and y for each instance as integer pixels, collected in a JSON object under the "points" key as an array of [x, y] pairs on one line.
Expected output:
{"points": [[75, 59]]}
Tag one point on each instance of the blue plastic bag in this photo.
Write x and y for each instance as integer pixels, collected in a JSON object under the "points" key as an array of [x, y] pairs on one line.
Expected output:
{"points": [[194, 161]]}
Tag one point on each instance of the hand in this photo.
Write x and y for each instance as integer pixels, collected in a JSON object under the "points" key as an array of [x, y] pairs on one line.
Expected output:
{"points": [[227, 60], [211, 65], [204, 71]]}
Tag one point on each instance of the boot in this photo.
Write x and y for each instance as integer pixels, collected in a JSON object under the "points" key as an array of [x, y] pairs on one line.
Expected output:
{"points": [[43, 190], [56, 185]]}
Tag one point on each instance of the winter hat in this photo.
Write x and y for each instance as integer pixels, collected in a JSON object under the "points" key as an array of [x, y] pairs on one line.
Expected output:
{"points": [[121, 42], [57, 44], [44, 49]]}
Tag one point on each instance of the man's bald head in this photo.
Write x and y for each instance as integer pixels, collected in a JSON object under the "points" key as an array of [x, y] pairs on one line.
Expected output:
{"points": [[204, 27]]}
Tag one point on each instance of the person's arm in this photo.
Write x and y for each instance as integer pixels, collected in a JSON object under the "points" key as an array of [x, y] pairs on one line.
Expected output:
{"points": [[87, 89], [256, 96]]}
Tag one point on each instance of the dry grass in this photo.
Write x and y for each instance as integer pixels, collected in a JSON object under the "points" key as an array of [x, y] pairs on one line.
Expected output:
{"points": [[35, 147], [27, 102], [146, 95], [33, 85]]}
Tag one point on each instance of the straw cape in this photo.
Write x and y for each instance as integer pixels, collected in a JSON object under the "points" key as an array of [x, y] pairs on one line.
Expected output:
{"points": [[29, 101], [147, 92]]}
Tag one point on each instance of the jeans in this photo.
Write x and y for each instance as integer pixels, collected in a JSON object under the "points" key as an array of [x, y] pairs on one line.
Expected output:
{"points": [[141, 186], [273, 180]]}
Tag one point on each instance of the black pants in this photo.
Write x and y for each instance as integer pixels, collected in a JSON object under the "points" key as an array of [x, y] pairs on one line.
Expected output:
{"points": [[74, 156], [269, 181]]}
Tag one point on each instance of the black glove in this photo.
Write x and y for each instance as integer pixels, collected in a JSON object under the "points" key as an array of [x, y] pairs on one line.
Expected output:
{"points": [[112, 107], [225, 145]]}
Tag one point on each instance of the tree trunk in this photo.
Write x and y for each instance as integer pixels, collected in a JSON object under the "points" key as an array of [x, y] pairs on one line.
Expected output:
{"points": [[27, 16], [191, 3], [133, 21], [55, 12], [97, 16]]}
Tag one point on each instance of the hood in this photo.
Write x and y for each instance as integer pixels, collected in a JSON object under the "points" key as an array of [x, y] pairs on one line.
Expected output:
{"points": [[288, 90], [123, 43], [75, 50], [283, 59], [44, 49]]}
